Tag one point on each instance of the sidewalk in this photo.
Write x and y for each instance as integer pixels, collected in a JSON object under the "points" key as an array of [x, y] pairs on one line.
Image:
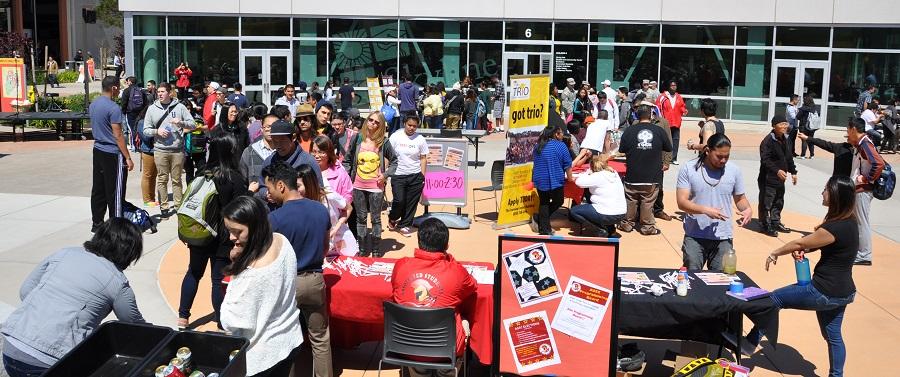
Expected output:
{"points": [[44, 206]]}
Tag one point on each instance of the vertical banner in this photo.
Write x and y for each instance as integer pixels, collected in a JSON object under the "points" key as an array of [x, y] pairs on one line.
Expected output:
{"points": [[375, 100], [554, 314], [528, 98], [12, 83]]}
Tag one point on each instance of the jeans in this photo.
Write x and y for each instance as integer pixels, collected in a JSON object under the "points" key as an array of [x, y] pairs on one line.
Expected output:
{"points": [[697, 252], [863, 202], [168, 165], [771, 202], [407, 190], [829, 312], [313, 305], [199, 256], [586, 214], [148, 177], [550, 201], [434, 121], [365, 203], [806, 145], [108, 187], [676, 138], [16, 368]]}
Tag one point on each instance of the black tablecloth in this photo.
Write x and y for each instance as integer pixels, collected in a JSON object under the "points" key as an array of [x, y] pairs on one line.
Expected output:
{"points": [[700, 316]]}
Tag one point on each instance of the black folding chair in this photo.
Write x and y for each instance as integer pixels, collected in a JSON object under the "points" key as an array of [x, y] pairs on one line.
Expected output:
{"points": [[419, 332], [496, 185]]}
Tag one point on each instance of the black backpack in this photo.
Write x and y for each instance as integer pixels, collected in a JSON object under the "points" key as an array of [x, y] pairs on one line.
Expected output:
{"points": [[884, 185]]}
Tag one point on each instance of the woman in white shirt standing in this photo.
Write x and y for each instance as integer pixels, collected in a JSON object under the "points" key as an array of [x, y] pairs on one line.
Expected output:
{"points": [[259, 304], [607, 206]]}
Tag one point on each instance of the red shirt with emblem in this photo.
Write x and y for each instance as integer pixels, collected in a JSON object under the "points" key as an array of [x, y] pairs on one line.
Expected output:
{"points": [[434, 280]]}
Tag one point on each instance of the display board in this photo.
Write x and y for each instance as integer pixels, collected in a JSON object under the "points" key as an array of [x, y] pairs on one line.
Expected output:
{"points": [[375, 100], [555, 301], [445, 176], [527, 118], [12, 83]]}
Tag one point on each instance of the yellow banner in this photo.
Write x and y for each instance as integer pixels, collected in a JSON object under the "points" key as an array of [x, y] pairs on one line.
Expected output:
{"points": [[375, 100], [529, 97]]}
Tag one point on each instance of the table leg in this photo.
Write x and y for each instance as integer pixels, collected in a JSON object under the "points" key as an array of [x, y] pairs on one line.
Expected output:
{"points": [[736, 325]]}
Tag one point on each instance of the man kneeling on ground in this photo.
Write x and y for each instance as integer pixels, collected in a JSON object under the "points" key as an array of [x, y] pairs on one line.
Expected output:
{"points": [[433, 278]]}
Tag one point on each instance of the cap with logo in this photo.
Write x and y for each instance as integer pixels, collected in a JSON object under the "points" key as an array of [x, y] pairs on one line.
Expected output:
{"points": [[281, 128]]}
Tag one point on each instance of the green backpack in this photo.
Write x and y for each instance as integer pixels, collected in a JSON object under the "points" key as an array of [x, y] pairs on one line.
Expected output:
{"points": [[195, 209]]}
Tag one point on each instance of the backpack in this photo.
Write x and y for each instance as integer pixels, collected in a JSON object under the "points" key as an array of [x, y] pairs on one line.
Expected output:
{"points": [[704, 367], [135, 100], [884, 185], [480, 109], [138, 217], [193, 229], [814, 122], [388, 112]]}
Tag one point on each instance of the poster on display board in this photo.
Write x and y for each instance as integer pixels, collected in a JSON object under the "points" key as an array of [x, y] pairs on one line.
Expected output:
{"points": [[445, 173], [528, 100], [12, 83], [375, 100], [555, 314]]}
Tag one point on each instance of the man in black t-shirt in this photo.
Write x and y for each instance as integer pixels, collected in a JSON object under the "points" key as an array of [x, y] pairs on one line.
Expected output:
{"points": [[643, 144], [346, 95]]}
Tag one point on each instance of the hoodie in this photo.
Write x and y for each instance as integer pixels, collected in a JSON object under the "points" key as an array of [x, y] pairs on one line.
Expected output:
{"points": [[408, 93], [175, 141]]}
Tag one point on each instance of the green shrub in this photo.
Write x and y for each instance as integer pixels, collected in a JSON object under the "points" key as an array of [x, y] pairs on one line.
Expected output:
{"points": [[67, 77], [75, 102]]}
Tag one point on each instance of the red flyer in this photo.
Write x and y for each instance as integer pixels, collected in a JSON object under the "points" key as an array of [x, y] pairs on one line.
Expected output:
{"points": [[532, 341]]}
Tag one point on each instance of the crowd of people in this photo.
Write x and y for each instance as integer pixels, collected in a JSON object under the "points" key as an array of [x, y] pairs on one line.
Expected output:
{"points": [[307, 179]]}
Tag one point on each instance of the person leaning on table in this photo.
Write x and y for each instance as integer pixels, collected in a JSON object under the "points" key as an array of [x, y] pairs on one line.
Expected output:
{"points": [[67, 295]]}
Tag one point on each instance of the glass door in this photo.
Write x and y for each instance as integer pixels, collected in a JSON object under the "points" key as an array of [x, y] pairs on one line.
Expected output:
{"points": [[800, 77], [263, 73]]}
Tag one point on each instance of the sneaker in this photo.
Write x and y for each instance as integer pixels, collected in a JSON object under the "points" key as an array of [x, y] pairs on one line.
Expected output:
{"points": [[405, 232], [534, 225], [801, 158], [674, 162], [151, 204]]}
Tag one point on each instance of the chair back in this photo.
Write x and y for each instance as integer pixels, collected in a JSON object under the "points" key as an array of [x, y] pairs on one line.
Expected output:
{"points": [[497, 173], [422, 332]]}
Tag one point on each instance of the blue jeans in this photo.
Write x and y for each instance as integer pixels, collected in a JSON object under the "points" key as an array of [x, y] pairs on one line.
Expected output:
{"points": [[586, 214], [829, 312], [16, 368]]}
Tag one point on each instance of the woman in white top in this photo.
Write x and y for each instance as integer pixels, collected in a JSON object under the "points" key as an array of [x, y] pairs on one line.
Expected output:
{"points": [[394, 102], [259, 304], [607, 206]]}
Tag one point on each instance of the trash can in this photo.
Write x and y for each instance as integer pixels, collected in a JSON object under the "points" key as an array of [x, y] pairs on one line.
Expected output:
{"points": [[114, 349], [209, 353]]}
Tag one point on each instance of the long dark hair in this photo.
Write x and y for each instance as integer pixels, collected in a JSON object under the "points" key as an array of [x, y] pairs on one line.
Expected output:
{"points": [[324, 144], [547, 134], [312, 189], [224, 156], [252, 213], [715, 141], [841, 199], [117, 240]]}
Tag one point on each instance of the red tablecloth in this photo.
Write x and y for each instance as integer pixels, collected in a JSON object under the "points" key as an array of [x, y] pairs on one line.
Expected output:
{"points": [[572, 191], [356, 312]]}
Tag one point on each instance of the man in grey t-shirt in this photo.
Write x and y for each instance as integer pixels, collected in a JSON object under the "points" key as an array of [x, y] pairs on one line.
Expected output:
{"points": [[706, 186]]}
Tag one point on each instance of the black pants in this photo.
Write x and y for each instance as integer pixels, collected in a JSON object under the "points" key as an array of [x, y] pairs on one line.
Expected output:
{"points": [[108, 188], [194, 164], [792, 139], [550, 201], [771, 201], [119, 70], [53, 80], [200, 256], [676, 138], [283, 368], [806, 145], [407, 190]]}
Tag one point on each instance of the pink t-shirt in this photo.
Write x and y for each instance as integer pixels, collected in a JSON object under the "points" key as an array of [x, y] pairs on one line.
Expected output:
{"points": [[339, 181], [368, 169]]}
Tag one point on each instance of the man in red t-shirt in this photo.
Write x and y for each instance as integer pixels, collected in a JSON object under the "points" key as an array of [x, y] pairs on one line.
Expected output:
{"points": [[209, 107], [433, 278]]}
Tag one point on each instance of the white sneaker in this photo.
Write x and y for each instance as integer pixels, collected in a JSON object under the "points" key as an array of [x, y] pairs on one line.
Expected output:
{"points": [[674, 162]]}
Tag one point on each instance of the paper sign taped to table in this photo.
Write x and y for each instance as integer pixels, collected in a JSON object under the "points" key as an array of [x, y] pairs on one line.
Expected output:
{"points": [[532, 274], [444, 184], [533, 346], [582, 309]]}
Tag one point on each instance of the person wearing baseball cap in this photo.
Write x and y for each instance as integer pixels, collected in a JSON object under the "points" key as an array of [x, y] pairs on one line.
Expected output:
{"points": [[209, 113], [776, 163], [607, 88], [287, 150], [567, 97]]}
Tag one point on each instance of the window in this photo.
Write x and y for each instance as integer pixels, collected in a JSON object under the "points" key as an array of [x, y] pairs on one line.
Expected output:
{"points": [[852, 71], [801, 55], [214, 60], [150, 60], [310, 61], [527, 30], [802, 36], [698, 34], [756, 111], [722, 111], [358, 60], [266, 26], [700, 71], [754, 35], [310, 27], [569, 61], [527, 48], [752, 69], [839, 115], [203, 26], [623, 33], [485, 60], [861, 37], [486, 30], [574, 32], [433, 62], [341, 28], [150, 26], [423, 29], [623, 65]]}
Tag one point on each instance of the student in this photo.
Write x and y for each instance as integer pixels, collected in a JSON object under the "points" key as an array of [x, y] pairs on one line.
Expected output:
{"points": [[259, 304], [339, 197], [111, 159], [776, 163], [644, 145], [408, 181], [552, 168], [166, 121], [607, 204], [865, 170]]}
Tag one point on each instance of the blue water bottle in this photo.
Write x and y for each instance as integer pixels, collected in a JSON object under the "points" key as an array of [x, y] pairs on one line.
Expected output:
{"points": [[802, 267]]}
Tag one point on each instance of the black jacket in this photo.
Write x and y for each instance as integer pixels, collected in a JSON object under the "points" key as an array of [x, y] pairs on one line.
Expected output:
{"points": [[774, 155], [455, 103], [843, 155], [803, 116]]}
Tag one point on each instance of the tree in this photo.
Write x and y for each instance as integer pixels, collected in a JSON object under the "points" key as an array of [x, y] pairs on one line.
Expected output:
{"points": [[108, 13], [11, 42], [120, 45]]}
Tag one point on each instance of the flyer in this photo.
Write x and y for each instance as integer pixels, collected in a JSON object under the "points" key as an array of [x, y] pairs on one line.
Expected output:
{"points": [[453, 160], [634, 277], [531, 341], [582, 309], [532, 274], [716, 278], [435, 155]]}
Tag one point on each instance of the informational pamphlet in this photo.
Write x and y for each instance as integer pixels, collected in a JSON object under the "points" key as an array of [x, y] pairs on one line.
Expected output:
{"points": [[435, 155], [532, 274], [634, 277], [481, 274], [716, 278], [582, 309], [453, 160], [531, 341]]}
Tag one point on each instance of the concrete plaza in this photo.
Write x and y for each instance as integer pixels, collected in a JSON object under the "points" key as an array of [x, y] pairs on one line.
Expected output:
{"points": [[44, 206]]}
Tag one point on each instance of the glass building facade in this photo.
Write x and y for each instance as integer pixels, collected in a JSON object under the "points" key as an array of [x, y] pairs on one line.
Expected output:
{"points": [[750, 70]]}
